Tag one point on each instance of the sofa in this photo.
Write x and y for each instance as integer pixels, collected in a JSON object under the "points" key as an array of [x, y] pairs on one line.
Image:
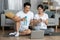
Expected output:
{"points": [[53, 19], [6, 22]]}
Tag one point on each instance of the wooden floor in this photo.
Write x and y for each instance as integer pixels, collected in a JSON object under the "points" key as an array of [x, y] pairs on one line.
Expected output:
{"points": [[26, 38], [2, 37]]}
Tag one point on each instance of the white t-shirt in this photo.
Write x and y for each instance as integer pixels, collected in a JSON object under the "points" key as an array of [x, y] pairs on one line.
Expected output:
{"points": [[41, 25], [29, 15]]}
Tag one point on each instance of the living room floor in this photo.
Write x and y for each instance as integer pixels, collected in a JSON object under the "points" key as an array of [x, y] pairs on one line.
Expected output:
{"points": [[2, 37]]}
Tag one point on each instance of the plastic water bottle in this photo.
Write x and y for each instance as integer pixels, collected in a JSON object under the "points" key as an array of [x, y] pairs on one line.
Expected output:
{"points": [[25, 22]]}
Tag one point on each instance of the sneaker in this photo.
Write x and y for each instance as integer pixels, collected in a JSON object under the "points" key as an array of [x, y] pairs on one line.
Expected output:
{"points": [[17, 34], [12, 33]]}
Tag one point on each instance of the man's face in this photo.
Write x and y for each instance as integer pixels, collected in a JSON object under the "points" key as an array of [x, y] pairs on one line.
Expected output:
{"points": [[27, 8]]}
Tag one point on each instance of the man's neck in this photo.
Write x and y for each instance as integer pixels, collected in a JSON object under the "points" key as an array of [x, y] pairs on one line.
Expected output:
{"points": [[25, 12]]}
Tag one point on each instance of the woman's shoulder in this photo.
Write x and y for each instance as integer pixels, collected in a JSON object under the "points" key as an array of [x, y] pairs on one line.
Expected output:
{"points": [[45, 14]]}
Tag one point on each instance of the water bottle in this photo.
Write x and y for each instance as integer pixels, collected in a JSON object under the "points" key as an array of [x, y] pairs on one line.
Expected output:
{"points": [[25, 22]]}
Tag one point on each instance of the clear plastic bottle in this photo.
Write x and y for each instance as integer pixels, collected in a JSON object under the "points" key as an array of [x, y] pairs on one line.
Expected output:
{"points": [[25, 22]]}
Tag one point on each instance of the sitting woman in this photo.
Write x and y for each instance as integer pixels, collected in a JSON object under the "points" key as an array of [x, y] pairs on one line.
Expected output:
{"points": [[41, 20]]}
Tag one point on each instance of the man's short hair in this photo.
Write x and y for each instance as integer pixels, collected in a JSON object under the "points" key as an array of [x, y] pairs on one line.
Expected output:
{"points": [[27, 4]]}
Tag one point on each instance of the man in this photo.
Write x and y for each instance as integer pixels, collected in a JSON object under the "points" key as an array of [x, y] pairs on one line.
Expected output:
{"points": [[23, 19]]}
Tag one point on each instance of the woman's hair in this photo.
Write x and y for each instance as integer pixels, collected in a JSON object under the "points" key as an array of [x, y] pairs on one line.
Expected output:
{"points": [[27, 4], [41, 6]]}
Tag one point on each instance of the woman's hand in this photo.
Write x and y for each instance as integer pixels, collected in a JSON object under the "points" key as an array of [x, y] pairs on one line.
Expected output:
{"points": [[40, 20]]}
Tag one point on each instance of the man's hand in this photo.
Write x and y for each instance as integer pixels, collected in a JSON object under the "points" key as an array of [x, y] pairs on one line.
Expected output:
{"points": [[23, 19], [34, 22]]}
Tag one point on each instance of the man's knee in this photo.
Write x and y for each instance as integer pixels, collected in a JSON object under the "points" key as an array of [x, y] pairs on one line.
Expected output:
{"points": [[17, 19]]}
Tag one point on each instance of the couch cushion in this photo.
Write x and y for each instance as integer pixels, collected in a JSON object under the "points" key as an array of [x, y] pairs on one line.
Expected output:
{"points": [[9, 22], [50, 14], [14, 11]]}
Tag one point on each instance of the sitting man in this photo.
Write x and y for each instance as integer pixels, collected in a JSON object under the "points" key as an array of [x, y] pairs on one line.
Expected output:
{"points": [[23, 19]]}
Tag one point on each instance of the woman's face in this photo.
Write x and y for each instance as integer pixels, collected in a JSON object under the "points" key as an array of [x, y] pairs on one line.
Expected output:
{"points": [[40, 10]]}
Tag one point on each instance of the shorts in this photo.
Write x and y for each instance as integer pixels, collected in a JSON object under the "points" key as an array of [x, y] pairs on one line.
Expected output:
{"points": [[46, 31], [39, 28], [23, 28]]}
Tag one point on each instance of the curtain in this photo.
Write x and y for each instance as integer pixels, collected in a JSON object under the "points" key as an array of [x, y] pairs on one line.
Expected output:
{"points": [[14, 4]]}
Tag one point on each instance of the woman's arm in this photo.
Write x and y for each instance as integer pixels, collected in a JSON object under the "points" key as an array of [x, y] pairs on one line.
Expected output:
{"points": [[46, 21], [35, 22]]}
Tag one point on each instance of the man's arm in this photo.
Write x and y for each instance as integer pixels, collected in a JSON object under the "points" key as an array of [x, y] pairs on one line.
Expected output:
{"points": [[16, 18]]}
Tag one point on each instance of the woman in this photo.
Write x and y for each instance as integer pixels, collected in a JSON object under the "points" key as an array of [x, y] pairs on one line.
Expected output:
{"points": [[41, 18]]}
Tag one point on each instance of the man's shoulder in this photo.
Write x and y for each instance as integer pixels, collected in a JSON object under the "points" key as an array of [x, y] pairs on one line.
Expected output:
{"points": [[20, 12], [30, 12]]}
